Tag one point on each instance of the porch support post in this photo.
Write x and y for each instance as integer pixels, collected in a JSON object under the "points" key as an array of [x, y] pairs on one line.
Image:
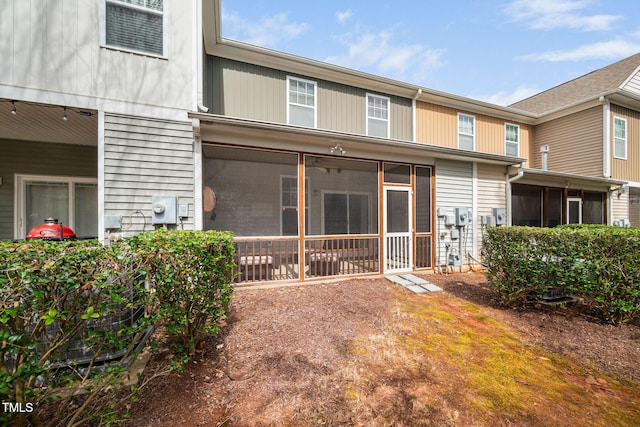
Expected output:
{"points": [[301, 216], [101, 205]]}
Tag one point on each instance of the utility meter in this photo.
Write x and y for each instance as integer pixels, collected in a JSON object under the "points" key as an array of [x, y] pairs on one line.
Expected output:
{"points": [[462, 217], [164, 210]]}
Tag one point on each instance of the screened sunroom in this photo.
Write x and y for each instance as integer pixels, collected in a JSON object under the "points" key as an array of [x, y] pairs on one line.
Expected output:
{"points": [[300, 216]]}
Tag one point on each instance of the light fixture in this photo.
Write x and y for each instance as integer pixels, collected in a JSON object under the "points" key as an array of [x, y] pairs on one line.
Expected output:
{"points": [[13, 110], [64, 117], [338, 148]]}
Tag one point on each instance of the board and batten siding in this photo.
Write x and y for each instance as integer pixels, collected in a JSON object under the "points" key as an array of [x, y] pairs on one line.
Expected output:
{"points": [[238, 89], [575, 143], [145, 157], [629, 169], [454, 189], [438, 125], [634, 213], [39, 158]]}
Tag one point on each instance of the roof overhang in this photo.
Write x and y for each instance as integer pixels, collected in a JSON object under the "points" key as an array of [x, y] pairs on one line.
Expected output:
{"points": [[253, 133], [565, 180]]}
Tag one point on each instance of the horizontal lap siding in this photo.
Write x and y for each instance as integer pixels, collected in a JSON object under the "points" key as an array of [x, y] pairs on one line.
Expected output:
{"points": [[628, 169], [620, 206], [575, 143], [491, 194], [633, 85], [39, 158], [145, 158]]}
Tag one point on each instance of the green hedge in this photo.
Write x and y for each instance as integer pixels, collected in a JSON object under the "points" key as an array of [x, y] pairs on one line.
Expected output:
{"points": [[191, 273], [598, 263]]}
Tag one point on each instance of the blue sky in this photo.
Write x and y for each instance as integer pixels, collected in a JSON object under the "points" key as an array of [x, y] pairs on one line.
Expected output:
{"points": [[495, 51]]}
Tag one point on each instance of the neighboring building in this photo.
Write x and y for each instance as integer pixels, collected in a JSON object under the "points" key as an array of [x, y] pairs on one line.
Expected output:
{"points": [[99, 93], [318, 170]]}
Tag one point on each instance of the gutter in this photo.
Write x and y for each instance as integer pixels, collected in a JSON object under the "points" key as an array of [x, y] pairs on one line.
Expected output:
{"points": [[509, 180]]}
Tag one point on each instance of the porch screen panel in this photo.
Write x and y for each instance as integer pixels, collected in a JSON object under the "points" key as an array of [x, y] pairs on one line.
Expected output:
{"points": [[423, 200], [255, 191], [593, 208], [342, 196], [526, 205], [44, 200], [553, 207]]}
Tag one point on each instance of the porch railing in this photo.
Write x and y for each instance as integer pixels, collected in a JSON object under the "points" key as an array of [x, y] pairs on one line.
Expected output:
{"points": [[278, 258]]}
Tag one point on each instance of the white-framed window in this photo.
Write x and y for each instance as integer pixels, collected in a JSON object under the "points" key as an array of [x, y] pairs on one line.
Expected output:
{"points": [[620, 138], [378, 114], [302, 102], [289, 205], [139, 26], [346, 212], [512, 139], [466, 132], [73, 201]]}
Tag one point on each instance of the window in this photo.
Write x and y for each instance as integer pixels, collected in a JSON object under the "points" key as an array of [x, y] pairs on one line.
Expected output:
{"points": [[301, 108], [346, 213], [512, 139], [377, 116], [466, 131], [620, 138], [289, 216], [136, 25], [72, 201]]}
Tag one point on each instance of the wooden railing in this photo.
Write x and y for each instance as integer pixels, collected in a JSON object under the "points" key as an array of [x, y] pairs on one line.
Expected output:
{"points": [[278, 258], [423, 251]]}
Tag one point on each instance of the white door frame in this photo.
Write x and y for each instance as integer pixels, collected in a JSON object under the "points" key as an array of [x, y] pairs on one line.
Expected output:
{"points": [[398, 246], [574, 199]]}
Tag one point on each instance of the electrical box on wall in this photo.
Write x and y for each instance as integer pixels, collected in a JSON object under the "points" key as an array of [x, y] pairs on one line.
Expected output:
{"points": [[462, 217], [164, 210], [488, 220], [449, 219], [501, 216]]}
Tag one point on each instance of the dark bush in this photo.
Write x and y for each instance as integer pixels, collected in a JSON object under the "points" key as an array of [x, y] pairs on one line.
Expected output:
{"points": [[598, 263]]}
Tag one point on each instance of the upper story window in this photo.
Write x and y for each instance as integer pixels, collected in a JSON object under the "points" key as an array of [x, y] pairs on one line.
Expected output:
{"points": [[512, 139], [301, 107], [466, 131], [135, 25], [620, 138], [378, 115]]}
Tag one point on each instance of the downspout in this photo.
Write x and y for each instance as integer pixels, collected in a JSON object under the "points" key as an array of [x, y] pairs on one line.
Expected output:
{"points": [[414, 118], [606, 138], [198, 222], [509, 180]]}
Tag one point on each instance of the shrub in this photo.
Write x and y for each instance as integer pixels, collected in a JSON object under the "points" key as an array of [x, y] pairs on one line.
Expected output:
{"points": [[54, 297], [598, 263], [191, 274]]}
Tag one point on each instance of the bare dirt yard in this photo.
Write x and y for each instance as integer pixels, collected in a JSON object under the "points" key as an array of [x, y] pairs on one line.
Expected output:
{"points": [[366, 352]]}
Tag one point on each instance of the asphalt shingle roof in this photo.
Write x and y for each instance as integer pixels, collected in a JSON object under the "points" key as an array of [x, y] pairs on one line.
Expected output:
{"points": [[587, 86]]}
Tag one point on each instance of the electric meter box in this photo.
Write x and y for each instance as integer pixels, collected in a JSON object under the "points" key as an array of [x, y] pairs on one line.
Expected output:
{"points": [[501, 216], [462, 217], [164, 210]]}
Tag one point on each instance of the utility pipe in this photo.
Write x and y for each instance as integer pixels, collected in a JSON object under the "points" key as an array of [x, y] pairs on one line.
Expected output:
{"points": [[509, 180]]}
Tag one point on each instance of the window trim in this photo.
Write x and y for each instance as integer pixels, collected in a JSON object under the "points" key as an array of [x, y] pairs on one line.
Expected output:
{"points": [[315, 100], [626, 138], [165, 28], [473, 135], [511, 142], [388, 120]]}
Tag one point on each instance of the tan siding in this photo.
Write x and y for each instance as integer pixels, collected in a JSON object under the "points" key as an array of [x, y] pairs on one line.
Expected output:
{"points": [[438, 125], [249, 91], [620, 206], [575, 143], [627, 169], [145, 158], [634, 207]]}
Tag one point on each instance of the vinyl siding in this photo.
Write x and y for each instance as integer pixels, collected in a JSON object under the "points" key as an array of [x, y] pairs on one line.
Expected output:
{"points": [[634, 210], [454, 189], [438, 125], [491, 194], [238, 89], [38, 158], [628, 169], [62, 39], [145, 158], [620, 206], [633, 85], [575, 143]]}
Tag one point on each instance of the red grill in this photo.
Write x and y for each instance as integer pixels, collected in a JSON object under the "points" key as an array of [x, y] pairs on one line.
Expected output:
{"points": [[51, 230]]}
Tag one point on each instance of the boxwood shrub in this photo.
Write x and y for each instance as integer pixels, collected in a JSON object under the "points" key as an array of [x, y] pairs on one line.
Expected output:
{"points": [[598, 263]]}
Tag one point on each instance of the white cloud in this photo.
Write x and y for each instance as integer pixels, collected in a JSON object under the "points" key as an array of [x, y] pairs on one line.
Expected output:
{"points": [[268, 32], [505, 98], [342, 16], [378, 54], [552, 14], [612, 49]]}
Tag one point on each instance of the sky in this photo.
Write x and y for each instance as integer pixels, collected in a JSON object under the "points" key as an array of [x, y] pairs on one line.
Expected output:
{"points": [[499, 51]]}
